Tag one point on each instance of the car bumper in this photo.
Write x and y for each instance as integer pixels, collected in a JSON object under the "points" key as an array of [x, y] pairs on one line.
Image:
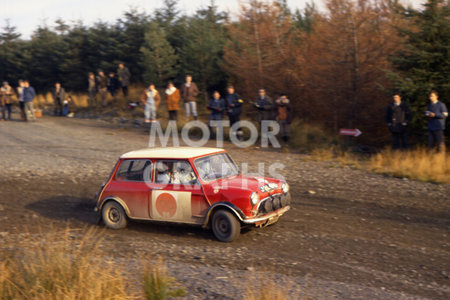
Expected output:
{"points": [[267, 219]]}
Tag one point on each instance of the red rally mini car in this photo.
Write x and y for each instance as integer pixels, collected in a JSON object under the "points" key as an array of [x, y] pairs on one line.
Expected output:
{"points": [[199, 186]]}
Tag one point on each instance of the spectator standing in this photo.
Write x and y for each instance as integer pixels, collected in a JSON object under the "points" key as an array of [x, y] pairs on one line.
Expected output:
{"points": [[189, 93], [28, 96], [102, 85], [6, 92], [397, 119], [92, 90], [59, 95], [173, 99], [283, 115], [20, 97], [124, 77], [151, 98], [264, 105], [436, 113], [217, 107], [233, 104], [113, 85]]}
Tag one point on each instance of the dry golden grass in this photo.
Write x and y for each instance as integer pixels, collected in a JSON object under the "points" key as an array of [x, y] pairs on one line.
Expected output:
{"points": [[61, 265], [343, 158], [157, 285], [417, 164], [264, 287]]}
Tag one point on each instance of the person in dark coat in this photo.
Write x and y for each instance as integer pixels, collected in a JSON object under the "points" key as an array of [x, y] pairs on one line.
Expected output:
{"points": [[397, 119], [264, 105], [234, 109], [28, 96], [283, 115], [113, 85], [124, 77], [217, 107], [436, 114], [59, 95]]}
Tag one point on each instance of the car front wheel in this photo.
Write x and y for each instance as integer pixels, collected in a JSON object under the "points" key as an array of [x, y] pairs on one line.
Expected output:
{"points": [[225, 226], [114, 216]]}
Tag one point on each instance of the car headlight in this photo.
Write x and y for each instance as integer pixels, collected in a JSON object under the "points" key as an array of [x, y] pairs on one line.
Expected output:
{"points": [[254, 198], [285, 187]]}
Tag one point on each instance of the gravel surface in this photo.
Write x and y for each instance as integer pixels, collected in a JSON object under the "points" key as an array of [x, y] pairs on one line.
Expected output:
{"points": [[350, 234]]}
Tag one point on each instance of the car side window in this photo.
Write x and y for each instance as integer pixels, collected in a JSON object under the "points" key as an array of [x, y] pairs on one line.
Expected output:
{"points": [[135, 170], [175, 172]]}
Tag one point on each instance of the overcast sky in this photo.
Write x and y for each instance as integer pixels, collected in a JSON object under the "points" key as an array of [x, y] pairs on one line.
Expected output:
{"points": [[26, 15]]}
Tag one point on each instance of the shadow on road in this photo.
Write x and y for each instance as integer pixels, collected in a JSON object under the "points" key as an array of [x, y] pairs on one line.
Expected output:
{"points": [[66, 208]]}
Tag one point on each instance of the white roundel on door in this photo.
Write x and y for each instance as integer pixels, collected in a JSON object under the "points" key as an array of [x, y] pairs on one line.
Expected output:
{"points": [[170, 205]]}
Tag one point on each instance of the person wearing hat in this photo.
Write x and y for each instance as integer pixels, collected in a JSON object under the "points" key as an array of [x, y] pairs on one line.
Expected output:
{"points": [[6, 92]]}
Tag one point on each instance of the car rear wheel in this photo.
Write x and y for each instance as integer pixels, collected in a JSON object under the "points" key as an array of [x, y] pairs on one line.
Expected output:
{"points": [[114, 216], [225, 226]]}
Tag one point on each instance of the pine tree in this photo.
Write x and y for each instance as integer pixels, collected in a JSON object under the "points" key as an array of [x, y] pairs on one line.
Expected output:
{"points": [[423, 64], [174, 24], [129, 33], [159, 60], [11, 54], [45, 56], [203, 50]]}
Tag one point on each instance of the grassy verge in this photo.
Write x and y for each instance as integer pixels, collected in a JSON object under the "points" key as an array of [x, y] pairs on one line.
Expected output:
{"points": [[63, 266], [417, 164]]}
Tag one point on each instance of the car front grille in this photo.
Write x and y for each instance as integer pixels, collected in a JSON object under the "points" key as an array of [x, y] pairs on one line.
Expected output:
{"points": [[273, 202]]}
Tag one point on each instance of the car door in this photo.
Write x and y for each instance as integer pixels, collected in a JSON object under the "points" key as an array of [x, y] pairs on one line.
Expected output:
{"points": [[176, 194], [131, 186]]}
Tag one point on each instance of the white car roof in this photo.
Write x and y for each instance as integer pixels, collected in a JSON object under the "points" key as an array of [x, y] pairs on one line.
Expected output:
{"points": [[171, 152]]}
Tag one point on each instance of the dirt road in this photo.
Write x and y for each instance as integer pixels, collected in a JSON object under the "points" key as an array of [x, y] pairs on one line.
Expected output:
{"points": [[350, 234]]}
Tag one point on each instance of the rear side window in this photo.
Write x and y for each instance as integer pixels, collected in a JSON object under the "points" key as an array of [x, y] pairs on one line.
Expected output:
{"points": [[135, 170]]}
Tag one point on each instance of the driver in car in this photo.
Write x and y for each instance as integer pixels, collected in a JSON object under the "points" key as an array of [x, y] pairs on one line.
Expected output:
{"points": [[182, 174]]}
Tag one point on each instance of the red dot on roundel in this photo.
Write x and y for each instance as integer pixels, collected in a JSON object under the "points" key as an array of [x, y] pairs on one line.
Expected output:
{"points": [[166, 205]]}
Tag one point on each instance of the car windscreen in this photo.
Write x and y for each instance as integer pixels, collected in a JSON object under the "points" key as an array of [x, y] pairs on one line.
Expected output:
{"points": [[215, 167]]}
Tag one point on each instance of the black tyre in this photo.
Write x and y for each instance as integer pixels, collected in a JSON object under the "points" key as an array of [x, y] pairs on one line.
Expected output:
{"points": [[114, 216], [225, 226]]}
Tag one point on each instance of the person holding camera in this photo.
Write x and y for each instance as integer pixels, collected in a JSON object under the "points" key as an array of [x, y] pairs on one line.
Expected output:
{"points": [[283, 115], [436, 114]]}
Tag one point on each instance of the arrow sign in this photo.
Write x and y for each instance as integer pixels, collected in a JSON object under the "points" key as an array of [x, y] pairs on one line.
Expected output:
{"points": [[352, 132]]}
